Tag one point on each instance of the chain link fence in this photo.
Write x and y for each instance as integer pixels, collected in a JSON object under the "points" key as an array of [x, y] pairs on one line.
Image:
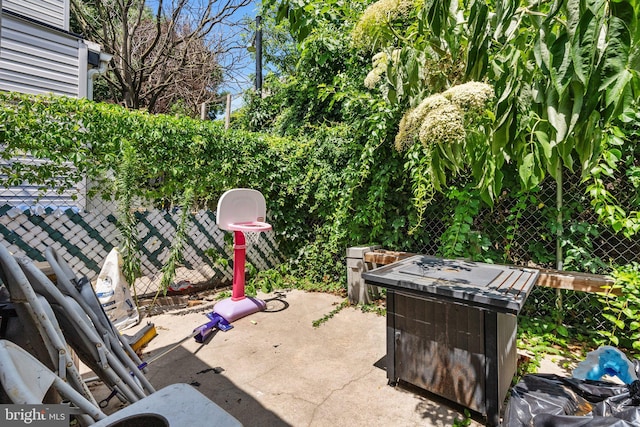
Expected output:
{"points": [[526, 234], [521, 229]]}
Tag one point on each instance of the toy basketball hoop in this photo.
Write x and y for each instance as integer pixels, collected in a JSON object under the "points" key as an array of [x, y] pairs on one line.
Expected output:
{"points": [[241, 210], [245, 227], [251, 231]]}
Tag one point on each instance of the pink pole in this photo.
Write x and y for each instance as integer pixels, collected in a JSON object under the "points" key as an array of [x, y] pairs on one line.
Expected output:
{"points": [[239, 252]]}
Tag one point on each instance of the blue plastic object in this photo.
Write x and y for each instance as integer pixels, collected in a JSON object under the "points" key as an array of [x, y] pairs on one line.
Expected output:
{"points": [[606, 360], [216, 321]]}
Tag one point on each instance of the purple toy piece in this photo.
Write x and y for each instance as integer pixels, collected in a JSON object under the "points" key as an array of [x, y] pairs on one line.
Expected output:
{"points": [[202, 332]]}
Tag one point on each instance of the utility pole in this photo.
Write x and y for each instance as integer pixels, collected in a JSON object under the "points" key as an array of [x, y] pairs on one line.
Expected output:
{"points": [[259, 54], [227, 114]]}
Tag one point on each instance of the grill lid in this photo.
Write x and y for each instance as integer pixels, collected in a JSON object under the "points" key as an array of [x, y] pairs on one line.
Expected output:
{"points": [[498, 287], [454, 271]]}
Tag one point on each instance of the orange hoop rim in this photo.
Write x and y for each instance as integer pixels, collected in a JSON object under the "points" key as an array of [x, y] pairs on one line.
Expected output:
{"points": [[251, 226]]}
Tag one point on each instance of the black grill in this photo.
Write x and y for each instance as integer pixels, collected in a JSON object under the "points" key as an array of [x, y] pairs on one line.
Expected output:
{"points": [[451, 327]]}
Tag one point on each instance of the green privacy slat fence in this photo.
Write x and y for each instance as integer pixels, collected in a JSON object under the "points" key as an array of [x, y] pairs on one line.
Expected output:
{"points": [[85, 238]]}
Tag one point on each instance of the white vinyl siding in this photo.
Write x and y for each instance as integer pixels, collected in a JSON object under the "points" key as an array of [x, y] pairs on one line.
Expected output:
{"points": [[37, 60], [51, 12], [28, 196], [38, 56]]}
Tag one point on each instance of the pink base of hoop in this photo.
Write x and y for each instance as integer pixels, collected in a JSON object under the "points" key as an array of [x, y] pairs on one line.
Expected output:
{"points": [[254, 226]]}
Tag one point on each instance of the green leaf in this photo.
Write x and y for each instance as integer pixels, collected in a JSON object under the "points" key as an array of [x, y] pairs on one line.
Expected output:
{"points": [[541, 52], [616, 87], [561, 63], [616, 71], [478, 41], [543, 139], [573, 12], [501, 136], [413, 68], [525, 170], [556, 114], [562, 330], [565, 149], [610, 317], [585, 45], [574, 100]]}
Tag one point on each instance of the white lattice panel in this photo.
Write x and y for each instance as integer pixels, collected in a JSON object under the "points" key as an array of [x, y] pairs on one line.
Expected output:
{"points": [[85, 239]]}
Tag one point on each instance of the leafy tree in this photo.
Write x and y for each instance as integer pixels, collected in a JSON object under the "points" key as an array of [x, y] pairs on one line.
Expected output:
{"points": [[566, 76], [162, 53], [328, 78]]}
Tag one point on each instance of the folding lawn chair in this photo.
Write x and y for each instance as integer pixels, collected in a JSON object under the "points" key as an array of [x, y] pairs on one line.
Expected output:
{"points": [[27, 380], [112, 365], [80, 289], [39, 324]]}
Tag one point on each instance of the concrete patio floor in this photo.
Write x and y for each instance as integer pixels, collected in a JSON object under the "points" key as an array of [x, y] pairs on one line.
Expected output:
{"points": [[275, 369]]}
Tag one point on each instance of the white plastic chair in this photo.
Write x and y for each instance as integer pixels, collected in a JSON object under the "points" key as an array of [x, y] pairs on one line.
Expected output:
{"points": [[35, 313], [26, 380]]}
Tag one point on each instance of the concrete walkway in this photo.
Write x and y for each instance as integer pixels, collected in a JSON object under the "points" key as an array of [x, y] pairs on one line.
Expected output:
{"points": [[275, 369]]}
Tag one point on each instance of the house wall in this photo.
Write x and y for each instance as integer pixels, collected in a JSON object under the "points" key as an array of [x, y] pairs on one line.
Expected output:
{"points": [[50, 12], [28, 196], [37, 59], [39, 56]]}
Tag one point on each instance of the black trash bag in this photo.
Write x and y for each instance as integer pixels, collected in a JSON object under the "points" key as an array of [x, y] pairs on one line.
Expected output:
{"points": [[546, 400]]}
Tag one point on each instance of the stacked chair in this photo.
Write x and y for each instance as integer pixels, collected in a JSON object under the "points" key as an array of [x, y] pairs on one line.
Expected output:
{"points": [[110, 362], [69, 313], [80, 289]]}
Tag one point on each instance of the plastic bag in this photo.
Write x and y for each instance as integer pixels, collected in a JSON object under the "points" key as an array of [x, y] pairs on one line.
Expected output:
{"points": [[606, 360], [113, 293], [542, 400]]}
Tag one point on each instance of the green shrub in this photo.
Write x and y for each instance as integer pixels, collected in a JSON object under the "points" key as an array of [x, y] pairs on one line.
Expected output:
{"points": [[621, 311]]}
